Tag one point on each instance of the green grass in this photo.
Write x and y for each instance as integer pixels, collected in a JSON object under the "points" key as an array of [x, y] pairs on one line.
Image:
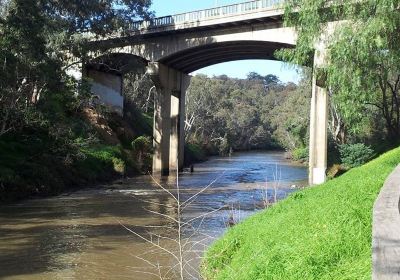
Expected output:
{"points": [[319, 233], [101, 162]]}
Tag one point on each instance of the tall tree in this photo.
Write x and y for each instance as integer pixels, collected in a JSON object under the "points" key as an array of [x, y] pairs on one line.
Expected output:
{"points": [[269, 80], [363, 55], [33, 40]]}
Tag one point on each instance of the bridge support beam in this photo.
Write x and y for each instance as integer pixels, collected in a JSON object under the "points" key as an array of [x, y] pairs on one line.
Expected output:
{"points": [[318, 123], [169, 114]]}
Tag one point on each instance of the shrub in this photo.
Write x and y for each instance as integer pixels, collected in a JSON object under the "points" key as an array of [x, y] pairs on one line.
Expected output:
{"points": [[119, 165], [143, 148], [142, 144], [194, 153], [300, 154], [353, 155]]}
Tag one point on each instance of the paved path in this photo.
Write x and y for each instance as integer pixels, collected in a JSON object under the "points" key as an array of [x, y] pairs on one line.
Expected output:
{"points": [[386, 230]]}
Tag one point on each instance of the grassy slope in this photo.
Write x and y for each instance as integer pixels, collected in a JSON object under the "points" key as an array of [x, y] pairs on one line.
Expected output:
{"points": [[319, 233]]}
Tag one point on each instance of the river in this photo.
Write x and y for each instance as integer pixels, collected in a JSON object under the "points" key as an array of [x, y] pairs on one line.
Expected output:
{"points": [[97, 233]]}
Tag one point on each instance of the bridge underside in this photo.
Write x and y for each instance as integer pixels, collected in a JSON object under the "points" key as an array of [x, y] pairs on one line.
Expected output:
{"points": [[193, 59], [169, 60]]}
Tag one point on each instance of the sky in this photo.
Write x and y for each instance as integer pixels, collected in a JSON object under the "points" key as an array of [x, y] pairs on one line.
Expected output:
{"points": [[234, 69]]}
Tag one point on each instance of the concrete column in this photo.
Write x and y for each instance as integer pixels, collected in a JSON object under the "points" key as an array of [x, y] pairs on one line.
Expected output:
{"points": [[177, 140], [162, 111], [182, 116], [168, 118], [318, 123]]}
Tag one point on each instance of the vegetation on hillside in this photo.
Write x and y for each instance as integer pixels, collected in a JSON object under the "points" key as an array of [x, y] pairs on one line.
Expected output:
{"points": [[52, 135], [318, 233], [363, 69], [225, 114]]}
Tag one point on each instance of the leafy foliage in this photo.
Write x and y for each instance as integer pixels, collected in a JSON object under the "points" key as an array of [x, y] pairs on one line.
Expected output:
{"points": [[142, 143], [363, 55], [45, 142], [225, 114], [300, 154], [354, 155], [143, 147]]}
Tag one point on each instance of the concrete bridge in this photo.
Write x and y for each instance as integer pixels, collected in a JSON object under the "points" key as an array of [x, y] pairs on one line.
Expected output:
{"points": [[172, 47]]}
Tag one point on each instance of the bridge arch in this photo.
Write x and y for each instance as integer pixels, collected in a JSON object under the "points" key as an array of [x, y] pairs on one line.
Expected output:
{"points": [[160, 47], [192, 59], [117, 63], [175, 46]]}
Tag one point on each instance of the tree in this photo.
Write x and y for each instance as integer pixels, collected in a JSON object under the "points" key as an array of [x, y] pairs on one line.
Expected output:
{"points": [[288, 113], [27, 69], [34, 36], [363, 55], [269, 80], [224, 114], [98, 17]]}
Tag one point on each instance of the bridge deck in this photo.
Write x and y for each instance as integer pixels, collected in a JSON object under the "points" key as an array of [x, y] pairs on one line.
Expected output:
{"points": [[256, 11]]}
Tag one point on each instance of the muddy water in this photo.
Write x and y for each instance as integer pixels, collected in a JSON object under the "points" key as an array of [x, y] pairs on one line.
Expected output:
{"points": [[98, 233]]}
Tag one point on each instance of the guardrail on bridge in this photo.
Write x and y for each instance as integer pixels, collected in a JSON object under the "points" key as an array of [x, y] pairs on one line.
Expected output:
{"points": [[218, 12]]}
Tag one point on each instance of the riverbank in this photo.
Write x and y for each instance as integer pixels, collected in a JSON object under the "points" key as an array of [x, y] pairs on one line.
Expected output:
{"points": [[319, 233], [78, 232], [98, 148]]}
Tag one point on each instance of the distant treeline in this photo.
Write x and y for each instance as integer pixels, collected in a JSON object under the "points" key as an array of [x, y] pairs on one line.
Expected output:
{"points": [[260, 112]]}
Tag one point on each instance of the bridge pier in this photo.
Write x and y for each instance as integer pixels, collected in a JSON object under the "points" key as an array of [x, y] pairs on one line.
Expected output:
{"points": [[318, 123], [169, 113]]}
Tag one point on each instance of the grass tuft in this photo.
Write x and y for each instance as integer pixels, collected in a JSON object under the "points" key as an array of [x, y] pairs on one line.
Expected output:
{"points": [[323, 232]]}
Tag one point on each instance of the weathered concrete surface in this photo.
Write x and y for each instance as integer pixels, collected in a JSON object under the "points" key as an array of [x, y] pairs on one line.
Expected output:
{"points": [[386, 230], [108, 87], [194, 49], [318, 125], [169, 108], [188, 42]]}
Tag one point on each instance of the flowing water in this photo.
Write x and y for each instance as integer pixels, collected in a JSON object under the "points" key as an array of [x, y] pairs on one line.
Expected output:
{"points": [[97, 233]]}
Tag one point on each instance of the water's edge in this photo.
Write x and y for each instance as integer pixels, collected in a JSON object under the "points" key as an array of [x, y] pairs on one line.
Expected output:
{"points": [[84, 234]]}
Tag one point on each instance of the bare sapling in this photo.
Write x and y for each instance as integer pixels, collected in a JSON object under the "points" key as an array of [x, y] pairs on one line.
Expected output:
{"points": [[181, 238], [276, 182]]}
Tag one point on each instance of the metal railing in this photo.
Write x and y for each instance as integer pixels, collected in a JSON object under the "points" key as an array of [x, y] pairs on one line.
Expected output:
{"points": [[218, 12]]}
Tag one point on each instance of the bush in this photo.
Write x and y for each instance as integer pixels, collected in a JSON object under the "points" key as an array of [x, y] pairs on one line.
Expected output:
{"points": [[194, 153], [300, 154], [353, 155], [100, 163], [142, 144], [143, 149]]}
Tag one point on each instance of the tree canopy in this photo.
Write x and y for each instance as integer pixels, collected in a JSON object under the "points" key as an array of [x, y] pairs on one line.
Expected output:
{"points": [[33, 38], [363, 55], [223, 113]]}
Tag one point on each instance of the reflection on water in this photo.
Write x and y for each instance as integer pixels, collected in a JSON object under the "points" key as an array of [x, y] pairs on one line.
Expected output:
{"points": [[79, 235]]}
